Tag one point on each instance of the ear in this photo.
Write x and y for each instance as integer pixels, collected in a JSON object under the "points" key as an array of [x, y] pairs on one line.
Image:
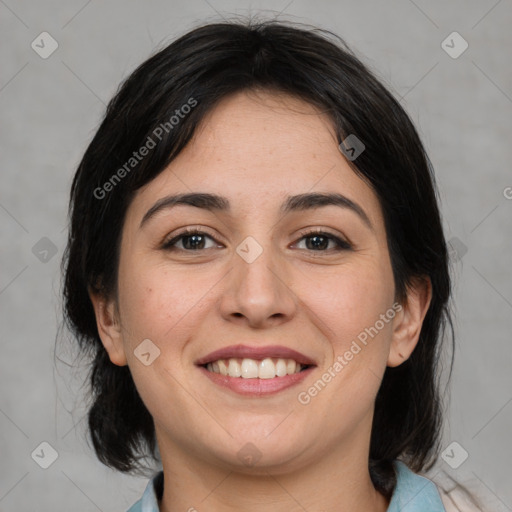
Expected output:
{"points": [[109, 327], [407, 323]]}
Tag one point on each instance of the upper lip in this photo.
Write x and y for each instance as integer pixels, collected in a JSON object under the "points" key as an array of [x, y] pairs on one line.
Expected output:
{"points": [[245, 351]]}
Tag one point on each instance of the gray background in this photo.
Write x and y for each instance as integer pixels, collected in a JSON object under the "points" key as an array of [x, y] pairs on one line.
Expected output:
{"points": [[50, 109]]}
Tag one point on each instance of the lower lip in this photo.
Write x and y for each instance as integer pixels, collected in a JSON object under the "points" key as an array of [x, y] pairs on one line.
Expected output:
{"points": [[257, 387]]}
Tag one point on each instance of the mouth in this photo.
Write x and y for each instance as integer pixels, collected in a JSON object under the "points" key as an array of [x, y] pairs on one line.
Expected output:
{"points": [[256, 371]]}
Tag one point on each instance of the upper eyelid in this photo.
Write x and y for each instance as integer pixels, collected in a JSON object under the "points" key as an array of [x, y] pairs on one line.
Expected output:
{"points": [[189, 231]]}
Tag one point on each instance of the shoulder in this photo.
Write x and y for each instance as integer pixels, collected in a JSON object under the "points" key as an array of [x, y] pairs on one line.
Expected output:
{"points": [[456, 496], [413, 492]]}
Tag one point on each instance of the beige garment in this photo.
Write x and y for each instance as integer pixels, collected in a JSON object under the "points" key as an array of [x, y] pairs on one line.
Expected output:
{"points": [[455, 496]]}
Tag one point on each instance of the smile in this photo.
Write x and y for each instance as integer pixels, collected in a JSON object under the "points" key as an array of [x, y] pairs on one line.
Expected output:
{"points": [[268, 368], [256, 370]]}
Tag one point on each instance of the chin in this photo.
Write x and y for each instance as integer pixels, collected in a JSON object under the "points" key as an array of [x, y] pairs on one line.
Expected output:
{"points": [[262, 453]]}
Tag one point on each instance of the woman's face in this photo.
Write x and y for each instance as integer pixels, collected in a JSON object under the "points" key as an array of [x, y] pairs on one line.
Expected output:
{"points": [[259, 285]]}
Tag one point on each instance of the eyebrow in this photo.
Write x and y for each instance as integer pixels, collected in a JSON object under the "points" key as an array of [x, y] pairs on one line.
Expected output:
{"points": [[214, 202]]}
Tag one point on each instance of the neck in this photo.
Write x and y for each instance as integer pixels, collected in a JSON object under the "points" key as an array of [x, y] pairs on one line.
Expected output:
{"points": [[337, 481]]}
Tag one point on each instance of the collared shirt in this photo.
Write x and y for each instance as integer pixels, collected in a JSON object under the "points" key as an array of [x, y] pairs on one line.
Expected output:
{"points": [[413, 493]]}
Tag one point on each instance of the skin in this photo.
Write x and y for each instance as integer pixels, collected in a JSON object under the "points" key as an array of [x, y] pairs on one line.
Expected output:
{"points": [[255, 149]]}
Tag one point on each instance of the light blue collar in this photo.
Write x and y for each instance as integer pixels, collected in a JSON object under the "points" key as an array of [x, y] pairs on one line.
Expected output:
{"points": [[414, 493]]}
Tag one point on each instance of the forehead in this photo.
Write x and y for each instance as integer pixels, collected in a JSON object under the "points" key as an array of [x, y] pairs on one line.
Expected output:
{"points": [[257, 148], [258, 133]]}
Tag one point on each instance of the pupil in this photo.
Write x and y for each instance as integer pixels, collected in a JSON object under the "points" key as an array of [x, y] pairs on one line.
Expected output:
{"points": [[197, 238], [316, 244]]}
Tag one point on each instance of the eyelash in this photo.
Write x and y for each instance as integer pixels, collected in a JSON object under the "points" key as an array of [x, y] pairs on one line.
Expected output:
{"points": [[342, 245]]}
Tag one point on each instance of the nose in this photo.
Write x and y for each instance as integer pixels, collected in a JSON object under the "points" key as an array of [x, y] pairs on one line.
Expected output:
{"points": [[258, 294]]}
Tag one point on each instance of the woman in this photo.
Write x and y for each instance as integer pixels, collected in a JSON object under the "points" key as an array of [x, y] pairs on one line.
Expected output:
{"points": [[256, 264]]}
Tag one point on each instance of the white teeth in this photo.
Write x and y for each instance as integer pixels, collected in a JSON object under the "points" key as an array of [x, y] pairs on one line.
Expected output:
{"points": [[267, 369], [281, 368], [223, 367], [246, 368], [249, 369], [234, 369]]}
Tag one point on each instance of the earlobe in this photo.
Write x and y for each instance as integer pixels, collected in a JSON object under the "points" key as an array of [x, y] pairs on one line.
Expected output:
{"points": [[109, 328], [407, 324]]}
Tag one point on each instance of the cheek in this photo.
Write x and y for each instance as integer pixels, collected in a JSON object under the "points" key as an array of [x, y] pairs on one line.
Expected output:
{"points": [[349, 300], [160, 304], [360, 318], [350, 305]]}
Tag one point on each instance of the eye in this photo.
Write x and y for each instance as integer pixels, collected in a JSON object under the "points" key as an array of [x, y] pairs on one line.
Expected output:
{"points": [[191, 240], [318, 241], [195, 240]]}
